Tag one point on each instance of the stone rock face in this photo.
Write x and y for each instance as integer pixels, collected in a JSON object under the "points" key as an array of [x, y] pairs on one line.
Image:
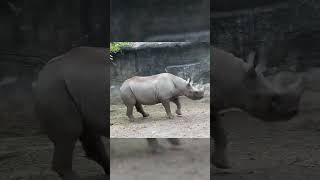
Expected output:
{"points": [[159, 20], [289, 29], [182, 59]]}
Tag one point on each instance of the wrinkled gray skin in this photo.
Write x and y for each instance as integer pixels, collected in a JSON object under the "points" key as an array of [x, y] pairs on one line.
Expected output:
{"points": [[160, 88], [237, 84], [71, 105]]}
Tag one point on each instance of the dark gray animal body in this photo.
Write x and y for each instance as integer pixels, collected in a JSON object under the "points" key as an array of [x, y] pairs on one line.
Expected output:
{"points": [[237, 84], [71, 96], [71, 104]]}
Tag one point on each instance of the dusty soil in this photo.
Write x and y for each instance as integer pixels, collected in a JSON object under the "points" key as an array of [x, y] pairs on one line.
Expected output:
{"points": [[131, 160], [29, 158], [276, 151], [194, 122]]}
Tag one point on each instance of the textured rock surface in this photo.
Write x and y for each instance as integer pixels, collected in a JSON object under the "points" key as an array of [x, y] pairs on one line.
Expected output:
{"points": [[188, 59], [289, 29], [159, 20]]}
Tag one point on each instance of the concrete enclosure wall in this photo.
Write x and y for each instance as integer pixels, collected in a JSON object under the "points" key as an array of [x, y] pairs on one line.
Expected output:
{"points": [[140, 20], [183, 59]]}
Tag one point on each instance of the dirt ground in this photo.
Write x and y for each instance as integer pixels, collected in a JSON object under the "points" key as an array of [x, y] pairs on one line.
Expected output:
{"points": [[29, 158], [131, 159], [276, 151], [194, 122]]}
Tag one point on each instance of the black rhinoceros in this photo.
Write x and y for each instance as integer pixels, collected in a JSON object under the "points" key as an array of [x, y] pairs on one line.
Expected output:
{"points": [[71, 104], [72, 95], [160, 88], [237, 84]]}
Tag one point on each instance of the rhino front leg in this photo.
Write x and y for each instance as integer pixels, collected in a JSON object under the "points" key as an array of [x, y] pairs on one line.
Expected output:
{"points": [[166, 105], [130, 112], [219, 157], [140, 110], [177, 102], [62, 160]]}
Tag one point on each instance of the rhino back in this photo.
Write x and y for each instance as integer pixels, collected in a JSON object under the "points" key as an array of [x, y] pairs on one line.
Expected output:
{"points": [[152, 89]]}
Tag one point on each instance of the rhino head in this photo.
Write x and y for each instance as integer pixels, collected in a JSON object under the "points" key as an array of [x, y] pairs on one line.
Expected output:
{"points": [[269, 99], [193, 92]]}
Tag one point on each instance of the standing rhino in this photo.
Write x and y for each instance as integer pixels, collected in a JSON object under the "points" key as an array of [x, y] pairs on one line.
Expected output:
{"points": [[160, 88], [237, 84], [71, 103]]}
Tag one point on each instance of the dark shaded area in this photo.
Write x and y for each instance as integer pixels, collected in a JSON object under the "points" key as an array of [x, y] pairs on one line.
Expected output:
{"points": [[228, 5], [159, 20], [31, 33], [289, 29]]}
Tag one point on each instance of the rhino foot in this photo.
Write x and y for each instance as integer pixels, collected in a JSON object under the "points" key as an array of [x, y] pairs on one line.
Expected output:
{"points": [[220, 160], [170, 116], [178, 112], [132, 119], [146, 115]]}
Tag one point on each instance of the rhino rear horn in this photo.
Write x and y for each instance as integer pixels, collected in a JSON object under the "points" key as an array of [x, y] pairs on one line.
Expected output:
{"points": [[262, 62], [251, 58]]}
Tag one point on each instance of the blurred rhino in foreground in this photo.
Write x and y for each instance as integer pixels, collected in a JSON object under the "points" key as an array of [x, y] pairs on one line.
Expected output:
{"points": [[239, 84]]}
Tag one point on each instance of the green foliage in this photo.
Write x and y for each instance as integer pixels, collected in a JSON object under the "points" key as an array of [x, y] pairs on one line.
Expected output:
{"points": [[116, 46]]}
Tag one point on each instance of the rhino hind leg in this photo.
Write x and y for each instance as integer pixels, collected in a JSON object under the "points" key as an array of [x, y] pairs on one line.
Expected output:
{"points": [[130, 112], [219, 157], [95, 150], [177, 102], [166, 105], [62, 160], [140, 110]]}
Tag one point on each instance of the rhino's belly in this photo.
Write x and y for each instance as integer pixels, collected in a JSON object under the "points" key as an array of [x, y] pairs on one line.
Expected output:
{"points": [[147, 99]]}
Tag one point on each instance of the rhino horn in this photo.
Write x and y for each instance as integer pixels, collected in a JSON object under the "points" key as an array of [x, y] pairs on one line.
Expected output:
{"points": [[262, 62], [250, 58], [189, 80]]}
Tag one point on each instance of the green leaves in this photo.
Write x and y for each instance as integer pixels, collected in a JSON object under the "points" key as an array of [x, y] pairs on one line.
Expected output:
{"points": [[116, 46]]}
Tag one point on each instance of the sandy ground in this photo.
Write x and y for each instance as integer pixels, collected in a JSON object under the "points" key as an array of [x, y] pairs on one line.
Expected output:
{"points": [[276, 151], [194, 122], [131, 160]]}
